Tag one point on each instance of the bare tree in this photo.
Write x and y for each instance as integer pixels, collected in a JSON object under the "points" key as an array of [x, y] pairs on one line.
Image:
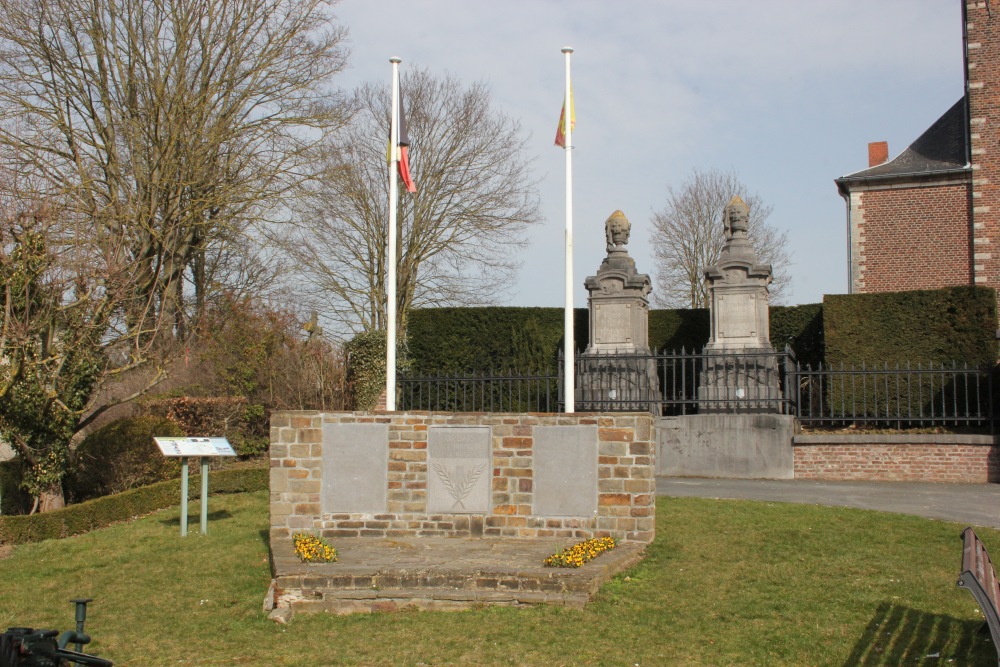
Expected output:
{"points": [[459, 233], [168, 125], [148, 138], [688, 237]]}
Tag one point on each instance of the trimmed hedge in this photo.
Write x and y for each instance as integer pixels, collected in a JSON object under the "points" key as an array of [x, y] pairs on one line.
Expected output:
{"points": [[801, 328], [443, 340], [102, 512], [955, 323], [448, 340], [671, 330]]}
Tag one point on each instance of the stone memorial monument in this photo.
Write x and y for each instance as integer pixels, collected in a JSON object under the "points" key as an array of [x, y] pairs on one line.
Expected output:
{"points": [[616, 372], [740, 372]]}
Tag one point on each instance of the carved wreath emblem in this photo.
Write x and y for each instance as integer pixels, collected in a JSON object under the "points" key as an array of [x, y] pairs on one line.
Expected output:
{"points": [[459, 481]]}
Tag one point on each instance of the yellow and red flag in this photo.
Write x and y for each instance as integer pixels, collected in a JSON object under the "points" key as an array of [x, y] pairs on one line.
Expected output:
{"points": [[561, 131]]}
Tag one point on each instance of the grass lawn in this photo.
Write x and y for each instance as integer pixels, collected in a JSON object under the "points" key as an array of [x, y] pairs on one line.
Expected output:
{"points": [[726, 583]]}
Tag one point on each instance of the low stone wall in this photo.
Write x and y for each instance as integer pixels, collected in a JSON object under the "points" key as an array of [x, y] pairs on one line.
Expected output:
{"points": [[420, 474], [730, 446], [898, 458]]}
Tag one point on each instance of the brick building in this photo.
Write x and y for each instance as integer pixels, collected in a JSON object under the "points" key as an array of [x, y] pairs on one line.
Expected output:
{"points": [[930, 217]]}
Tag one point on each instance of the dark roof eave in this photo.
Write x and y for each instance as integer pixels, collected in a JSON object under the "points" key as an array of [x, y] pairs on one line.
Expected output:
{"points": [[844, 182]]}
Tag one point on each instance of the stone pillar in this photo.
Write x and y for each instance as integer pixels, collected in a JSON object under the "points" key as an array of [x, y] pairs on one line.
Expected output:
{"points": [[982, 64], [740, 372], [617, 372]]}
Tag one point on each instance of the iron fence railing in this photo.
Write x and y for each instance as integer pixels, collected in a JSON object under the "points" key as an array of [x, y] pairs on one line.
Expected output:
{"points": [[901, 396], [480, 392], [683, 382]]}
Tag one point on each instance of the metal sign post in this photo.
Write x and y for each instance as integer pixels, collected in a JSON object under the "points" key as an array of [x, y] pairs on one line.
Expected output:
{"points": [[184, 496], [204, 495], [202, 448]]}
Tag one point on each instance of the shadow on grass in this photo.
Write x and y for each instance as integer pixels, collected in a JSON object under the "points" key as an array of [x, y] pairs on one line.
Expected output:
{"points": [[265, 537], [194, 519], [899, 635]]}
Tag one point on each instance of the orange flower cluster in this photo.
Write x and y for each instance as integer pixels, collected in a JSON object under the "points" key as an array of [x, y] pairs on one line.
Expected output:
{"points": [[312, 549], [580, 553]]}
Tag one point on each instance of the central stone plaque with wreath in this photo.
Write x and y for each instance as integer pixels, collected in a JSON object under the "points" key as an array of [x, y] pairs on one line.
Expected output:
{"points": [[458, 469]]}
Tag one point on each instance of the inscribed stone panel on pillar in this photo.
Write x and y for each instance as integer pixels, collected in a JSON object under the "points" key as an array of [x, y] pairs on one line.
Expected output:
{"points": [[565, 470], [355, 468], [613, 324], [459, 469], [737, 315]]}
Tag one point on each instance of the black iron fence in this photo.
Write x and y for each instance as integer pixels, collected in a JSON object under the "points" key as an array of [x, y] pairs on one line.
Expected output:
{"points": [[901, 396], [683, 382], [481, 392]]}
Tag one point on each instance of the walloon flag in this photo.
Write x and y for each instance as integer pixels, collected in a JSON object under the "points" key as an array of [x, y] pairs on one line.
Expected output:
{"points": [[561, 131]]}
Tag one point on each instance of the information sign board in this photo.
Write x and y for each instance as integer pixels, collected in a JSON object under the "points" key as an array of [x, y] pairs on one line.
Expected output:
{"points": [[195, 447]]}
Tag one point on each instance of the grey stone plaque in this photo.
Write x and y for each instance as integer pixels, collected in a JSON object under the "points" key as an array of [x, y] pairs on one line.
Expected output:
{"points": [[355, 468], [614, 323], [565, 470], [459, 469], [737, 316]]}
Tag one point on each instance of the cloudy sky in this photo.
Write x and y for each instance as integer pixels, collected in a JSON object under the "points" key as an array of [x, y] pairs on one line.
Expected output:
{"points": [[786, 93]]}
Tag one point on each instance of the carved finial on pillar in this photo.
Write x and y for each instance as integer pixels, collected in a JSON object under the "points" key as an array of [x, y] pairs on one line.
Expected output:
{"points": [[616, 231]]}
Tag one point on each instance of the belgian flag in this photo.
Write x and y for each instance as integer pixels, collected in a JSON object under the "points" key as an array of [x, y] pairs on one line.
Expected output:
{"points": [[404, 143]]}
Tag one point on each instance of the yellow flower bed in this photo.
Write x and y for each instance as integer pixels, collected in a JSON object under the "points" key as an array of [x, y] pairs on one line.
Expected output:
{"points": [[312, 549], [580, 553]]}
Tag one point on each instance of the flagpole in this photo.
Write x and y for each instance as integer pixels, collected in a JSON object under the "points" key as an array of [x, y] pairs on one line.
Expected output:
{"points": [[390, 333], [569, 352]]}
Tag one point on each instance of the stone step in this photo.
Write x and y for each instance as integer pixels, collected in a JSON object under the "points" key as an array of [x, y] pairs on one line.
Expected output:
{"points": [[443, 575], [427, 599]]}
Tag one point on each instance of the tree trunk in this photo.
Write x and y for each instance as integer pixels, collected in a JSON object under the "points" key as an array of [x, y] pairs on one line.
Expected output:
{"points": [[51, 499]]}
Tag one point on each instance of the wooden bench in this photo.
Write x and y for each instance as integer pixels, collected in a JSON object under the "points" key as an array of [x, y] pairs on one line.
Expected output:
{"points": [[979, 578]]}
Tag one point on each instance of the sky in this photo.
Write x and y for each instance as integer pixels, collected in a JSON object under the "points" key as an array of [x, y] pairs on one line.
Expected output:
{"points": [[788, 94]]}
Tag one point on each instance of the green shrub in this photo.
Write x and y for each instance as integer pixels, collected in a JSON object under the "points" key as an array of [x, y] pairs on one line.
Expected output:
{"points": [[101, 512], [366, 368], [13, 499], [230, 417], [122, 456]]}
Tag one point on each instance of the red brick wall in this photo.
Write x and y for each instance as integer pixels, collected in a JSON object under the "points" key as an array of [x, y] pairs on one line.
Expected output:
{"points": [[983, 73], [965, 459], [915, 238]]}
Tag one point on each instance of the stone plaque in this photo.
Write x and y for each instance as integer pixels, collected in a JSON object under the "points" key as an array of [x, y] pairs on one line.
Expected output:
{"points": [[613, 324], [355, 468], [565, 470], [737, 316], [459, 469]]}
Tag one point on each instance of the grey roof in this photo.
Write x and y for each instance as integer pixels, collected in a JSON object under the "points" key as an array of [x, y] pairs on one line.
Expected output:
{"points": [[941, 148]]}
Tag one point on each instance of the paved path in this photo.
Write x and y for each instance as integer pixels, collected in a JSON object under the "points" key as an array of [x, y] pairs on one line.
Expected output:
{"points": [[971, 504]]}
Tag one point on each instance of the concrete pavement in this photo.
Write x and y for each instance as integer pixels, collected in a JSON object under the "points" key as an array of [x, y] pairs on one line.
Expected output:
{"points": [[970, 504]]}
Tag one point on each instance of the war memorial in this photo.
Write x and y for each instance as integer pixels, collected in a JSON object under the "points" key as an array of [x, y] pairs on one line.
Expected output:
{"points": [[440, 510]]}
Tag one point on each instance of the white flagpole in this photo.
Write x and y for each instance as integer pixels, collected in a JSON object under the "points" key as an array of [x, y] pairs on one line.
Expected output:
{"points": [[390, 306], [569, 353]]}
